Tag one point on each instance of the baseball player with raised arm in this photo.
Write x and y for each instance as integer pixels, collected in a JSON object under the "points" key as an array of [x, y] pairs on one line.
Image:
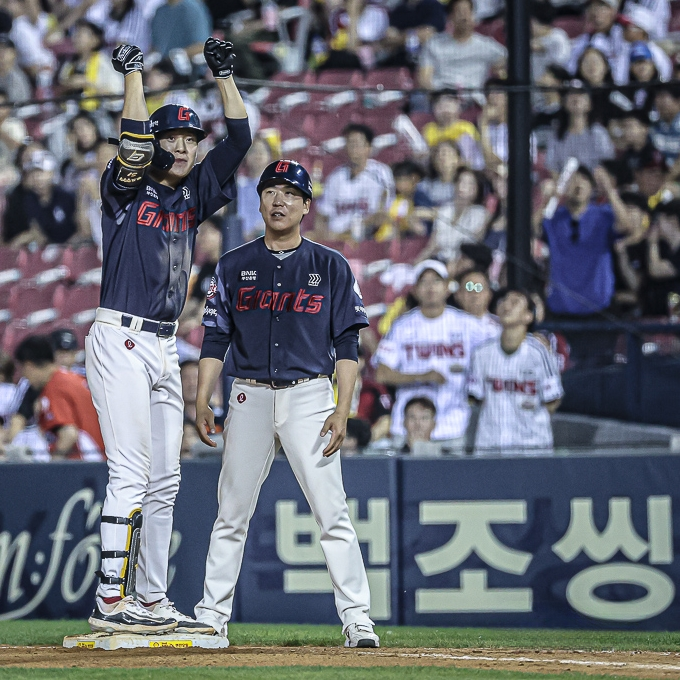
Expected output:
{"points": [[289, 312], [516, 379], [154, 196]]}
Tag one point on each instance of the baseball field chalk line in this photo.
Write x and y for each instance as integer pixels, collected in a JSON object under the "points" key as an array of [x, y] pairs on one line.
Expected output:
{"points": [[528, 659]]}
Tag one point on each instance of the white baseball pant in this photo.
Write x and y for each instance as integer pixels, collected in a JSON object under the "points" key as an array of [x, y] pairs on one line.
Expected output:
{"points": [[136, 388], [257, 417]]}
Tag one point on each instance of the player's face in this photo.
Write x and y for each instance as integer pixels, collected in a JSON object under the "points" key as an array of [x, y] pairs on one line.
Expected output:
{"points": [[513, 310], [184, 146], [282, 207], [431, 290]]}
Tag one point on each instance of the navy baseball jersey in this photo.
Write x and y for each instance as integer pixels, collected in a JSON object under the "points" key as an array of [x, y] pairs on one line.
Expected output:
{"points": [[283, 313], [148, 233]]}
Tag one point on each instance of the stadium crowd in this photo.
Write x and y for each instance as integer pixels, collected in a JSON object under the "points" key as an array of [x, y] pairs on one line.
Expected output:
{"points": [[410, 177]]}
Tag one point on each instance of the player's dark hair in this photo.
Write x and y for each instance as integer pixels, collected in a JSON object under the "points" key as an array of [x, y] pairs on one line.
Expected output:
{"points": [[421, 401], [361, 129], [36, 349]]}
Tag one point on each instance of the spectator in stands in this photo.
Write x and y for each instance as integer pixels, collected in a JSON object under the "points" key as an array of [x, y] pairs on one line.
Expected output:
{"points": [[420, 421], [38, 210], [124, 22], [247, 202], [650, 173], [13, 134], [594, 71], [462, 221], [516, 381], [604, 34], [547, 105], [474, 296], [12, 79], [66, 351], [630, 262], [580, 236], [460, 58], [410, 213], [576, 132], [11, 395], [426, 353], [371, 401], [663, 258], [208, 250], [665, 133], [30, 28], [412, 24], [493, 124], [549, 45], [497, 207], [639, 25], [448, 126], [357, 438], [444, 161], [90, 72], [180, 24], [356, 195], [660, 10], [633, 128], [67, 415], [84, 138]]}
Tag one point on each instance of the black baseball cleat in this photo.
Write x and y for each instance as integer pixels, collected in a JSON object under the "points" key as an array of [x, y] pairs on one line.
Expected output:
{"points": [[185, 624], [127, 616]]}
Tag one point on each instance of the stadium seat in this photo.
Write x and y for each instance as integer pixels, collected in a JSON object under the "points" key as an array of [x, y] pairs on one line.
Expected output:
{"points": [[573, 26], [8, 258], [42, 323], [389, 79], [77, 303], [81, 260], [367, 251], [32, 262], [409, 249], [27, 297], [340, 77]]}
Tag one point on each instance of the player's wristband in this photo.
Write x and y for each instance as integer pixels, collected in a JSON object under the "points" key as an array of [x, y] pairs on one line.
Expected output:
{"points": [[135, 127]]}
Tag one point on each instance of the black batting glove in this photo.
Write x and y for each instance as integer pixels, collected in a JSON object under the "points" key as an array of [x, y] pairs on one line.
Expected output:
{"points": [[127, 59], [219, 56]]}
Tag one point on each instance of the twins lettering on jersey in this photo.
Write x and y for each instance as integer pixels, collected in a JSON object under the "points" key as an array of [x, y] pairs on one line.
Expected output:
{"points": [[454, 350], [527, 387], [249, 299], [150, 214]]}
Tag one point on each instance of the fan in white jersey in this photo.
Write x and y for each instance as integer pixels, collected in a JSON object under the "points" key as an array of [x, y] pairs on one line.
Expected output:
{"points": [[357, 193], [515, 378], [474, 297], [427, 354]]}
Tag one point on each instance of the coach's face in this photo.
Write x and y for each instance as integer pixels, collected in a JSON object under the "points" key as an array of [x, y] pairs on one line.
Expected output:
{"points": [[282, 207], [183, 145]]}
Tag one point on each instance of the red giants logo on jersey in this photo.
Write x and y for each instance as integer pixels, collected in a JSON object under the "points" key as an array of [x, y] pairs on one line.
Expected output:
{"points": [[249, 299], [527, 387], [150, 214], [455, 350]]}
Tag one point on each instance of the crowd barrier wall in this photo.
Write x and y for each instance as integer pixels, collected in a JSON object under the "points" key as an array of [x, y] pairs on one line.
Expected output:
{"points": [[562, 542]]}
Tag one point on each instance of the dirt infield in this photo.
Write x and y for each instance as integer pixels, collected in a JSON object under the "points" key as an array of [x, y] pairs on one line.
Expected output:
{"points": [[629, 664]]}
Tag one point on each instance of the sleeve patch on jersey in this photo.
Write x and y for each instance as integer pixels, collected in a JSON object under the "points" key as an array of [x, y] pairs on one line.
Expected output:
{"points": [[212, 291], [357, 290]]}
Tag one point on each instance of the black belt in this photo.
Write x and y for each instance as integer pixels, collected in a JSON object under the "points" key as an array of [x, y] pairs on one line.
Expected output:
{"points": [[163, 329], [282, 384]]}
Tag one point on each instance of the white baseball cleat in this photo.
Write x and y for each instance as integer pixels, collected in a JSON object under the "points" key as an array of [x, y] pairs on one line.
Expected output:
{"points": [[185, 624], [361, 635], [127, 616]]}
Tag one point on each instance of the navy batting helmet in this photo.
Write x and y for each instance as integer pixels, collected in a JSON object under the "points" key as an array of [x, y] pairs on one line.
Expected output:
{"points": [[174, 117], [286, 171]]}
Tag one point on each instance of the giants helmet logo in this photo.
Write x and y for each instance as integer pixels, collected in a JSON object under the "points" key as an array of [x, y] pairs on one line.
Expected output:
{"points": [[282, 166], [183, 113]]}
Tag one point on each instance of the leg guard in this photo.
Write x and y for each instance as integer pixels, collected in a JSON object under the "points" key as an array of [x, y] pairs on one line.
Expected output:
{"points": [[128, 577]]}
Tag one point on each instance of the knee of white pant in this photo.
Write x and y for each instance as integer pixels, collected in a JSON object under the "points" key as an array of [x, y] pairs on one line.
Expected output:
{"points": [[165, 488]]}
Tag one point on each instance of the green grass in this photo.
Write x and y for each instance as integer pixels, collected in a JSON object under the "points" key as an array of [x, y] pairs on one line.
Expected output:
{"points": [[283, 673], [36, 632]]}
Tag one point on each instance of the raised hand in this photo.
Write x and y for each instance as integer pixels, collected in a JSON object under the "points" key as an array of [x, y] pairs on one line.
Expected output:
{"points": [[220, 57], [127, 59]]}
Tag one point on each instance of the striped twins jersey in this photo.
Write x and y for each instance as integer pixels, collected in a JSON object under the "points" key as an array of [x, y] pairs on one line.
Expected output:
{"points": [[514, 389], [417, 344]]}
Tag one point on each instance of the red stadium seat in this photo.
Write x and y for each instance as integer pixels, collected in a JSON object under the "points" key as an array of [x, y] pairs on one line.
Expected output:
{"points": [[27, 297], [368, 251], [409, 249], [39, 324], [342, 77], [78, 303], [573, 26], [36, 261], [9, 258], [389, 79], [81, 260]]}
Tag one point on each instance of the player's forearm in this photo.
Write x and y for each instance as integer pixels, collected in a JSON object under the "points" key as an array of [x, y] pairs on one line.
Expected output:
{"points": [[231, 98], [346, 371], [209, 370], [134, 104]]}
